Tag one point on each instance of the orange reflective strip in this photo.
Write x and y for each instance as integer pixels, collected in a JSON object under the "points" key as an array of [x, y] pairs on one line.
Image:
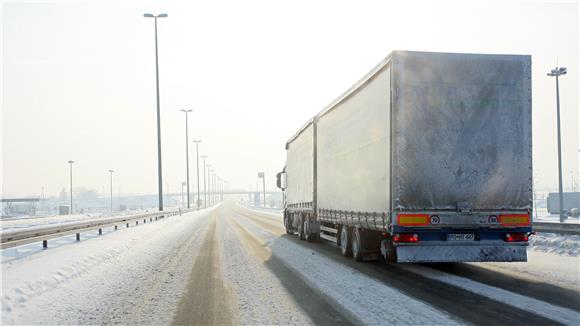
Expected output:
{"points": [[413, 219], [514, 219]]}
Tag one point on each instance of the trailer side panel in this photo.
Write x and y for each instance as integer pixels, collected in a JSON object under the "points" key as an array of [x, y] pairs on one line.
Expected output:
{"points": [[353, 150], [300, 174]]}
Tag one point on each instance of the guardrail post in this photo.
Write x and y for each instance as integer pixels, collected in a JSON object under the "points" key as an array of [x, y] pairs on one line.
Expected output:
{"points": [[115, 227], [100, 231], [127, 225], [144, 220], [78, 237], [44, 244], [151, 219]]}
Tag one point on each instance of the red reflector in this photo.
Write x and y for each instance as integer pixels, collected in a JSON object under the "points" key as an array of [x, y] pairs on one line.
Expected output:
{"points": [[516, 237], [405, 237]]}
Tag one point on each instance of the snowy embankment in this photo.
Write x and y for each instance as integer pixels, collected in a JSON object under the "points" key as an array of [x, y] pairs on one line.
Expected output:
{"points": [[115, 278], [568, 245]]}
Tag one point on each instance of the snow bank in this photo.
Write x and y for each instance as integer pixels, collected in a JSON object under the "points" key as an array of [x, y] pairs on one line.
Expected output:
{"points": [[568, 245], [129, 276]]}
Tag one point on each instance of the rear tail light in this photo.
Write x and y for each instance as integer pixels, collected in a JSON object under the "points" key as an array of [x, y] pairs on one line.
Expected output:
{"points": [[516, 237], [405, 237]]}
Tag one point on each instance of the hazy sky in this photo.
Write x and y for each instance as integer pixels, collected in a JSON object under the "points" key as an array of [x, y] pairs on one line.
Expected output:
{"points": [[78, 80]]}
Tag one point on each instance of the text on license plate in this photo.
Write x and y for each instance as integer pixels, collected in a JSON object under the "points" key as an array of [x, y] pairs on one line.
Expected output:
{"points": [[461, 237]]}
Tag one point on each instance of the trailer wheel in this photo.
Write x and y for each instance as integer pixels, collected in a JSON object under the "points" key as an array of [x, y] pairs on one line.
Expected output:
{"points": [[345, 241], [308, 235], [301, 233], [357, 246], [288, 224]]}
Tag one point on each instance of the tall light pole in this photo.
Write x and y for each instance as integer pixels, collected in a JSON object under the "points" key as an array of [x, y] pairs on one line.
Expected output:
{"points": [[70, 162], [557, 72], [111, 175], [261, 175], [204, 183], [160, 178], [209, 184], [187, 153], [197, 165]]}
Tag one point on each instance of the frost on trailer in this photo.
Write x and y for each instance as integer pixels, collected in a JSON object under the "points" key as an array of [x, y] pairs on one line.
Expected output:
{"points": [[425, 159]]}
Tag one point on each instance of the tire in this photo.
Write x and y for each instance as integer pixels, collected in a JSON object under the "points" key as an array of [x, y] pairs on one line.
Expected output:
{"points": [[301, 233], [288, 224], [308, 235], [391, 253], [357, 246], [345, 241]]}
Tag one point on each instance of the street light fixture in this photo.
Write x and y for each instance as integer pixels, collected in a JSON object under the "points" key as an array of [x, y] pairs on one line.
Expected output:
{"points": [[557, 72], [187, 153], [197, 166], [159, 174], [70, 162], [111, 174]]}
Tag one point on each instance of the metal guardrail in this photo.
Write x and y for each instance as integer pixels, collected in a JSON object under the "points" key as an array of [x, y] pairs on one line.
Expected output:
{"points": [[20, 237], [560, 228]]}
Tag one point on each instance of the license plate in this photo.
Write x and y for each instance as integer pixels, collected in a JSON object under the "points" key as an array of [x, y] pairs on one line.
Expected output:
{"points": [[461, 237]]}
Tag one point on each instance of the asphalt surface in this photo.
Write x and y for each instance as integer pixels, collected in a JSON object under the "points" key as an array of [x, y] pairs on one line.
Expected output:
{"points": [[210, 299]]}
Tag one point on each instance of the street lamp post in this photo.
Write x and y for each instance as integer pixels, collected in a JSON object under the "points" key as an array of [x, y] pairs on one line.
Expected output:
{"points": [[70, 162], [159, 174], [204, 183], [111, 175], [557, 72], [209, 185], [261, 175], [197, 166], [187, 153]]}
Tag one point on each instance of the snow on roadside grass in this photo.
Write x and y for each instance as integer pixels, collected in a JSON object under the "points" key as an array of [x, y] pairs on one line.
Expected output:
{"points": [[383, 305], [568, 245]]}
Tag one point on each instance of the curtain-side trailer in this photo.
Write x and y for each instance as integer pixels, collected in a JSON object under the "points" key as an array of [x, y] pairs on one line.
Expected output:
{"points": [[428, 158]]}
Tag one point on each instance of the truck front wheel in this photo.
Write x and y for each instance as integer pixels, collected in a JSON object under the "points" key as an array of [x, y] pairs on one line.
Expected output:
{"points": [[345, 241]]}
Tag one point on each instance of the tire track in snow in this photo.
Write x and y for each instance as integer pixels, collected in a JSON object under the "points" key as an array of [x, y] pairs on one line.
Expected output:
{"points": [[479, 308], [368, 300], [534, 306]]}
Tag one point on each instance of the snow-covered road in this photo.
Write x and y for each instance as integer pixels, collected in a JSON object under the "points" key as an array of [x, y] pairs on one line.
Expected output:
{"points": [[231, 265]]}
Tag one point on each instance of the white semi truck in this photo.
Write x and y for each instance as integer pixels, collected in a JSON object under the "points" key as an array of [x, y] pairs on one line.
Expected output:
{"points": [[428, 158]]}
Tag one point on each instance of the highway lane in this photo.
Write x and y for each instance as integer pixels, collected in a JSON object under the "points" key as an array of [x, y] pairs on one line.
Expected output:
{"points": [[467, 305]]}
